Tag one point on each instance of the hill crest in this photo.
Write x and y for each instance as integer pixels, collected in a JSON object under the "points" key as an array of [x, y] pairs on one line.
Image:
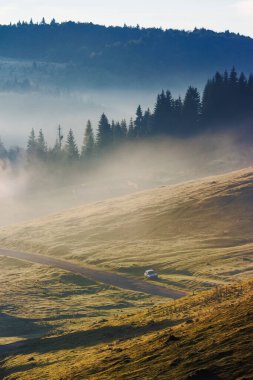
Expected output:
{"points": [[97, 56]]}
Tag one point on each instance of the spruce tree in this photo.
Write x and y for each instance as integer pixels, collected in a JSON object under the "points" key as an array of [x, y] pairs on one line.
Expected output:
{"points": [[32, 145], [131, 134], [177, 113], [56, 154], [71, 148], [123, 126], [147, 123], [168, 113], [88, 142], [138, 123], [104, 134], [41, 146], [158, 117], [233, 79], [163, 113], [191, 111], [233, 96], [117, 133]]}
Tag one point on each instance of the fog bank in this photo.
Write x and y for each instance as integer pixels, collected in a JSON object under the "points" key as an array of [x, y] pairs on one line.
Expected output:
{"points": [[30, 193]]}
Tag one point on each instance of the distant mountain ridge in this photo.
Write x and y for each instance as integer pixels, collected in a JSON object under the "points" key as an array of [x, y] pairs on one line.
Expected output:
{"points": [[84, 54]]}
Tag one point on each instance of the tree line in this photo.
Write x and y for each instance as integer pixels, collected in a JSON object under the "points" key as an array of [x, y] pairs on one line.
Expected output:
{"points": [[98, 56], [226, 103]]}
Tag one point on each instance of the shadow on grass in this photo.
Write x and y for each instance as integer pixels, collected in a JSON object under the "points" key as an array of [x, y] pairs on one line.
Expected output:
{"points": [[105, 334], [14, 326]]}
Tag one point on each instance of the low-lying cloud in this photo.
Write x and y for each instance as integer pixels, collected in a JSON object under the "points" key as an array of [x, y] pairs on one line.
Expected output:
{"points": [[37, 191]]}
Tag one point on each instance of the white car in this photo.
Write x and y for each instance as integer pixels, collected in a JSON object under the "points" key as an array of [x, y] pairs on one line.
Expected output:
{"points": [[151, 274]]}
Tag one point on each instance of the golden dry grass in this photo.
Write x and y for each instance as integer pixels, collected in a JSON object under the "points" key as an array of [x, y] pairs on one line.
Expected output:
{"points": [[211, 331], [36, 300], [196, 234]]}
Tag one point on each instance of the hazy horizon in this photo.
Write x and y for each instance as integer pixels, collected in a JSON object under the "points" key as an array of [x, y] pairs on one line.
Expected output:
{"points": [[235, 15]]}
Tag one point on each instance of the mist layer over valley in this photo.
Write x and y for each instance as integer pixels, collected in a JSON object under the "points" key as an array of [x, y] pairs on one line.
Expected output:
{"points": [[178, 139], [22, 111], [31, 191]]}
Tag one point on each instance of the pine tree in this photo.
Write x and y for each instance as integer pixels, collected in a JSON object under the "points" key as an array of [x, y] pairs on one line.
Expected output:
{"points": [[117, 133], [57, 154], [163, 113], [138, 123], [131, 134], [41, 146], [158, 117], [71, 148], [123, 126], [32, 145], [113, 129], [177, 114], [218, 95], [233, 96], [104, 134], [168, 112], [191, 111], [233, 79], [147, 123], [88, 143]]}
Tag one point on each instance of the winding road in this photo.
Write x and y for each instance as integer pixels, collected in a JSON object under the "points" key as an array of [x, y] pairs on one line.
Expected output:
{"points": [[109, 278]]}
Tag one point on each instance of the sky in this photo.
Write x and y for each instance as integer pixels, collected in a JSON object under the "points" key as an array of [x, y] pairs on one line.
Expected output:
{"points": [[218, 15]]}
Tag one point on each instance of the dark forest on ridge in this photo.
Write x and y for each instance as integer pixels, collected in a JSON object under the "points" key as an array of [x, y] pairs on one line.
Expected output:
{"points": [[81, 55]]}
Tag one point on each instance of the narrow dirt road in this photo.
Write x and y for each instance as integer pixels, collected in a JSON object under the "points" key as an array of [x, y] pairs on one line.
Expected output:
{"points": [[105, 277]]}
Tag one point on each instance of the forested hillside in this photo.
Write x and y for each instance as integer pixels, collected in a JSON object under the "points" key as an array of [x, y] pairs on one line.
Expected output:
{"points": [[83, 55]]}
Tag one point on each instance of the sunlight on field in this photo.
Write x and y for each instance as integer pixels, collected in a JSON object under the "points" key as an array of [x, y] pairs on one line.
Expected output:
{"points": [[158, 340], [37, 300], [196, 234]]}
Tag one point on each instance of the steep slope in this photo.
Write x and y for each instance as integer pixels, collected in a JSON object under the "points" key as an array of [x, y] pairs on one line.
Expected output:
{"points": [[196, 234], [206, 336]]}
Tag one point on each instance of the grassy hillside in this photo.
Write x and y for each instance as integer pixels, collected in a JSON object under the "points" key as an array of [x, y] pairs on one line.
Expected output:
{"points": [[36, 300], [206, 336], [196, 234]]}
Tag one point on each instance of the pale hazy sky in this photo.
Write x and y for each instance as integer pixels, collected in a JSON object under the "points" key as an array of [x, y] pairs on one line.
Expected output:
{"points": [[219, 15]]}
